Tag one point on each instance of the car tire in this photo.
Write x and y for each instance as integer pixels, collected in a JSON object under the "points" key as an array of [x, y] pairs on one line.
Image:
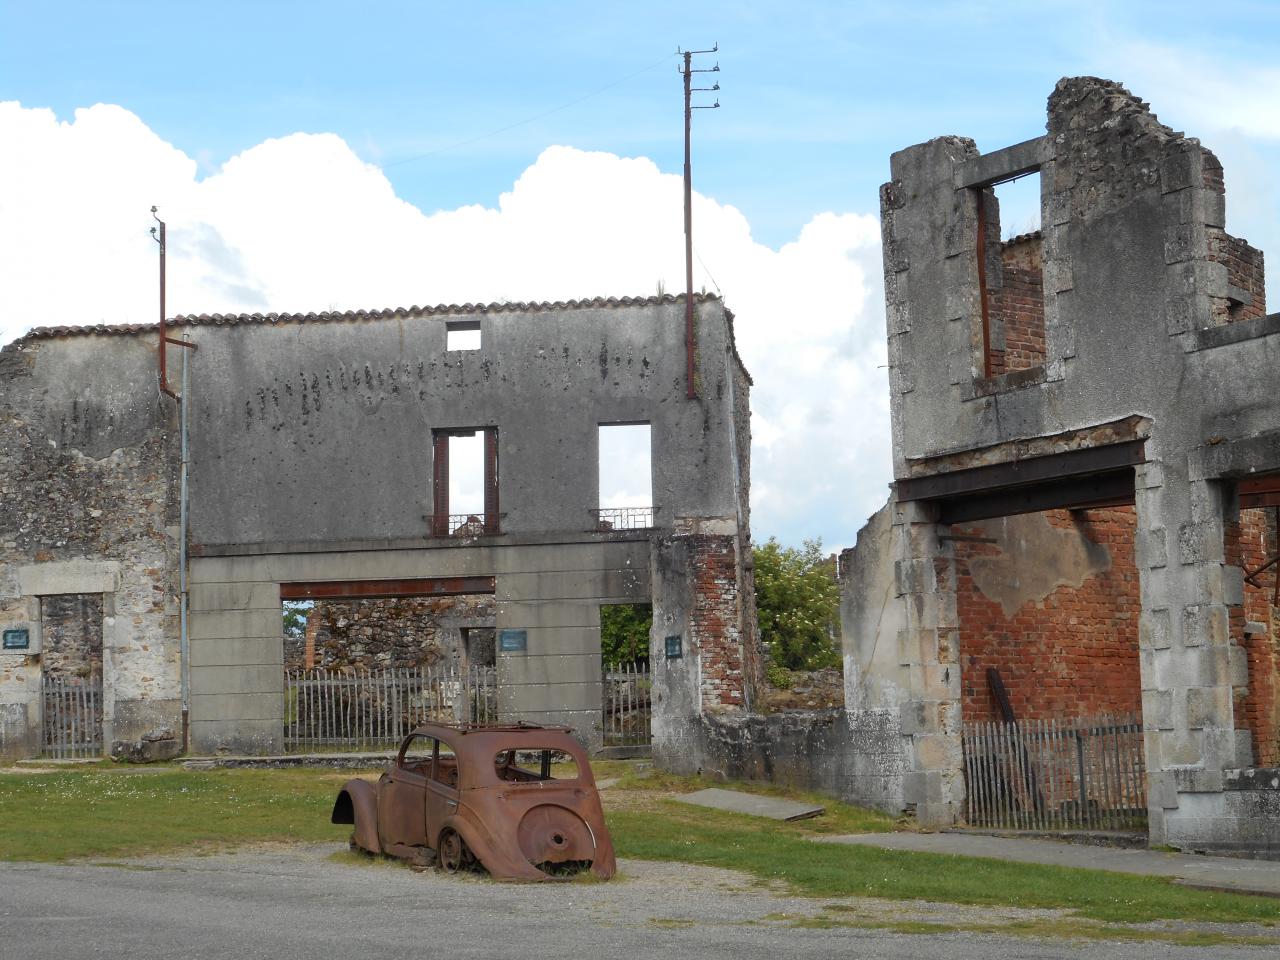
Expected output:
{"points": [[452, 854]]}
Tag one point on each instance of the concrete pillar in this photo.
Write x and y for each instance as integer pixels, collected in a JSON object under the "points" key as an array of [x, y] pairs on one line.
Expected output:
{"points": [[1190, 666], [929, 667]]}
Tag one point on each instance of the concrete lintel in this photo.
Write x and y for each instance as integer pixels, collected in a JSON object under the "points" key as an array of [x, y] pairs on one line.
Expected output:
{"points": [[1004, 164], [69, 576]]}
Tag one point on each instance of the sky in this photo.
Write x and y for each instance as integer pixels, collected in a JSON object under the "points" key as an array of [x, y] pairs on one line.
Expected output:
{"points": [[323, 155]]}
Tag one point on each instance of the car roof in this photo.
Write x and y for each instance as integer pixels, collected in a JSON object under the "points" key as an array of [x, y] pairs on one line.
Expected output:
{"points": [[497, 736]]}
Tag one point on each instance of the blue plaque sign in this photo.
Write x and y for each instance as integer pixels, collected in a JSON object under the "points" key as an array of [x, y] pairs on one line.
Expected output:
{"points": [[674, 648], [17, 639], [513, 641]]}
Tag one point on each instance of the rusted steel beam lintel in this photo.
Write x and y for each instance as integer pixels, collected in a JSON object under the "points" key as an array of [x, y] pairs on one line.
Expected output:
{"points": [[417, 587], [1261, 491], [1003, 476], [1077, 493]]}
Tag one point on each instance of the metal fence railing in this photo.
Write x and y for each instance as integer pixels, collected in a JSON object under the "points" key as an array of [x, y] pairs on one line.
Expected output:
{"points": [[1056, 775], [463, 524], [333, 710], [623, 518], [628, 711], [72, 716]]}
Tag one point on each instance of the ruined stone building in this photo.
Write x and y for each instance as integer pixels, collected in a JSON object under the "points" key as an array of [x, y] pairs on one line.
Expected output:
{"points": [[319, 467], [1086, 452]]}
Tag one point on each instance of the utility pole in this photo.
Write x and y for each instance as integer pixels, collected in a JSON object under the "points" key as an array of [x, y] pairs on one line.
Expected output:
{"points": [[687, 71]]}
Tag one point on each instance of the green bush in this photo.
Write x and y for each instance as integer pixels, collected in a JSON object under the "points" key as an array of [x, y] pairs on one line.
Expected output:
{"points": [[798, 601]]}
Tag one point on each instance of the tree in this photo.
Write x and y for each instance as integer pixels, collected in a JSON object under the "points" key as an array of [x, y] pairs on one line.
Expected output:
{"points": [[624, 632], [798, 601]]}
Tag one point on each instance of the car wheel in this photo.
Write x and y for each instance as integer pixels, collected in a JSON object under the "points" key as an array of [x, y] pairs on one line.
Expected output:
{"points": [[453, 854]]}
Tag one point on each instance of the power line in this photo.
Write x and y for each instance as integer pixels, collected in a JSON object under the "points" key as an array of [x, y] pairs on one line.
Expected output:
{"points": [[521, 123]]}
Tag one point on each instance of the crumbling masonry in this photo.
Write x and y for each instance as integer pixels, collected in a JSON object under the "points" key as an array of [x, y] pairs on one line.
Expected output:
{"points": [[319, 467], [1086, 450]]}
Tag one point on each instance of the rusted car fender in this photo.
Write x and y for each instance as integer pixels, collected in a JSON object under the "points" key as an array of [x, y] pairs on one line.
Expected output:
{"points": [[501, 867], [357, 804]]}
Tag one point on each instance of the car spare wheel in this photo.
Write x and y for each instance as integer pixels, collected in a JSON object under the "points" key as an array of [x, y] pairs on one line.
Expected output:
{"points": [[556, 839]]}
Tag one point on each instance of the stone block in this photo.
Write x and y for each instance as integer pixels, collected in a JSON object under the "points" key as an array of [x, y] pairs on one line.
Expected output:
{"points": [[1152, 548], [1195, 780], [1177, 242], [1153, 630], [1157, 709], [1205, 624], [156, 746], [1208, 707], [1176, 171]]}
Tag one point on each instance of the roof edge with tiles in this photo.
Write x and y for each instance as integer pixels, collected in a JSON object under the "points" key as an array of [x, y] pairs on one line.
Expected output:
{"points": [[355, 316]]}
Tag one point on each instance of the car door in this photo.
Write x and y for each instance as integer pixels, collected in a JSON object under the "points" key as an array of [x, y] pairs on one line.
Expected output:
{"points": [[402, 795], [441, 790]]}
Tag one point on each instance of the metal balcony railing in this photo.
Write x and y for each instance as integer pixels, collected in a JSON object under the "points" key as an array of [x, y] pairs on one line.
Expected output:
{"points": [[623, 518], [463, 525]]}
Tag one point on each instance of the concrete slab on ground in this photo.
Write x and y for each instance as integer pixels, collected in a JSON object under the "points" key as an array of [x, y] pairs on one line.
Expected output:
{"points": [[1211, 873], [752, 804]]}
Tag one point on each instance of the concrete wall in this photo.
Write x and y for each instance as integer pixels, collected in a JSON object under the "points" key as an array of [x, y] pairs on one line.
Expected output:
{"points": [[319, 431], [1140, 343], [854, 756], [311, 458], [88, 505], [553, 591]]}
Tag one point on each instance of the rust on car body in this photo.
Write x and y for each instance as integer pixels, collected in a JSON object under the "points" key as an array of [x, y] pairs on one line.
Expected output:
{"points": [[519, 801]]}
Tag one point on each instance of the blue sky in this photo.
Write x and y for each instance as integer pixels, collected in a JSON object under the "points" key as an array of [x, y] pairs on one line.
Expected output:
{"points": [[457, 102]]}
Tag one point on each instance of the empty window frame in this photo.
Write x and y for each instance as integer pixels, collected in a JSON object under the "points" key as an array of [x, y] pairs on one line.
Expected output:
{"points": [[462, 335], [464, 482], [625, 477], [1011, 275]]}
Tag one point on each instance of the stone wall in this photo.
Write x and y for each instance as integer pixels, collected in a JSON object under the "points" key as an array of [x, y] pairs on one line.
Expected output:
{"points": [[1053, 605], [390, 633], [71, 628], [90, 506], [852, 756]]}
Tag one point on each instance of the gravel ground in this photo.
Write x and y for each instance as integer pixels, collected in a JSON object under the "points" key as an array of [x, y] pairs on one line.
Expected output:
{"points": [[288, 902]]}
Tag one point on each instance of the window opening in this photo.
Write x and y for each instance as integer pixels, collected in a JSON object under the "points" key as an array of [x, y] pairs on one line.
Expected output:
{"points": [[465, 482], [625, 477], [462, 335], [1011, 275], [444, 769], [534, 765]]}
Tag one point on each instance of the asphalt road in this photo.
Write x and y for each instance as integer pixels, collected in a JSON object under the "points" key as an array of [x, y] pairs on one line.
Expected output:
{"points": [[295, 904]]}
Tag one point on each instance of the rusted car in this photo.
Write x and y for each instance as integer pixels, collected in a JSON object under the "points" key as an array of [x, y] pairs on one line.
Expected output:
{"points": [[518, 801]]}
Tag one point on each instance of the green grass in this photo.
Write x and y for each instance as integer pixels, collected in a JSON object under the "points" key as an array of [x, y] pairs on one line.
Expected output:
{"points": [[781, 852], [102, 812], [113, 813]]}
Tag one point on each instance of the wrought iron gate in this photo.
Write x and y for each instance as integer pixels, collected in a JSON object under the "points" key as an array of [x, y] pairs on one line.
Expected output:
{"points": [[72, 716], [1056, 775], [375, 710], [628, 712]]}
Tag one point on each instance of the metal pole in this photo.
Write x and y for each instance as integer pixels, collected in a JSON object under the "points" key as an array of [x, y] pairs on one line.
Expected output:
{"points": [[184, 642], [690, 389]]}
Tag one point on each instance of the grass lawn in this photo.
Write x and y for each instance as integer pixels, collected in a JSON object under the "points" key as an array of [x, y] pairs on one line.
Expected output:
{"points": [[112, 812]]}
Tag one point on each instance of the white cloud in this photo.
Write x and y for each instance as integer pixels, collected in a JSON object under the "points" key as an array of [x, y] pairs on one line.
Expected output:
{"points": [[300, 223]]}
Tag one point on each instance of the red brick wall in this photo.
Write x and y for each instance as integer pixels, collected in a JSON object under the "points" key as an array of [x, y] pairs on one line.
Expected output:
{"points": [[1072, 654], [1250, 543], [713, 622], [1017, 306]]}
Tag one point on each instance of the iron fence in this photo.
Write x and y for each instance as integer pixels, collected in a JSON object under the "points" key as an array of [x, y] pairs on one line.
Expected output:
{"points": [[357, 711], [623, 518], [72, 716], [1052, 775], [463, 524], [628, 711]]}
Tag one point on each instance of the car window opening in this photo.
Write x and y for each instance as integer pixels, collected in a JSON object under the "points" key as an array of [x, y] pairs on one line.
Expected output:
{"points": [[533, 766]]}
